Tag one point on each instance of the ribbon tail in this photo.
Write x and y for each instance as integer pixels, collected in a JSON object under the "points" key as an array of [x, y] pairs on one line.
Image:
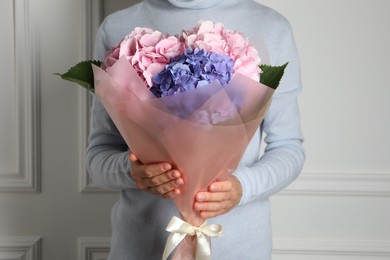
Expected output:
{"points": [[173, 241], [203, 251]]}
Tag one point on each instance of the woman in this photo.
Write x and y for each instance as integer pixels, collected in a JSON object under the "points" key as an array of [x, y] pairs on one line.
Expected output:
{"points": [[240, 203]]}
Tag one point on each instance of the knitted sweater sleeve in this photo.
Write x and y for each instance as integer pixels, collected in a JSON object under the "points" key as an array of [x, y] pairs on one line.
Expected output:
{"points": [[107, 153], [284, 155]]}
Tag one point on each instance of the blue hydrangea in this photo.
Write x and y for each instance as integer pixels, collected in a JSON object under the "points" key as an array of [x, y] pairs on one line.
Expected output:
{"points": [[192, 69]]}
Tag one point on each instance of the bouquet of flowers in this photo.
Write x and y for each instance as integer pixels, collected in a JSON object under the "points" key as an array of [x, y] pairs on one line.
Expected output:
{"points": [[194, 100]]}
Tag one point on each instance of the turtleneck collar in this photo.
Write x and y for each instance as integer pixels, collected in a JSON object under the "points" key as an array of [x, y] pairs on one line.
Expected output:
{"points": [[194, 4]]}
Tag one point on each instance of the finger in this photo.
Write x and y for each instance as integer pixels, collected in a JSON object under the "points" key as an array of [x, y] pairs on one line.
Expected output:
{"points": [[133, 157], [212, 196], [221, 186], [163, 178], [169, 195], [152, 170], [211, 206], [167, 187], [172, 194]]}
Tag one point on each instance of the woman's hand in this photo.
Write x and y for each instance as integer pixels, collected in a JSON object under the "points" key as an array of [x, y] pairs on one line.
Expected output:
{"points": [[157, 178], [221, 197]]}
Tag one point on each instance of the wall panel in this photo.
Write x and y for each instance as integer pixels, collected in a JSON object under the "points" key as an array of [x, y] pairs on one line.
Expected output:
{"points": [[19, 100]]}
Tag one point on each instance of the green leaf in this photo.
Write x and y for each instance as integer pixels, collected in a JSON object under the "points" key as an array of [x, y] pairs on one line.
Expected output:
{"points": [[81, 74], [271, 75]]}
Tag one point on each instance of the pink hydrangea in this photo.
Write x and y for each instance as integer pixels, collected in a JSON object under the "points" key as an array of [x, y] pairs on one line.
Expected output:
{"points": [[147, 50], [213, 37]]}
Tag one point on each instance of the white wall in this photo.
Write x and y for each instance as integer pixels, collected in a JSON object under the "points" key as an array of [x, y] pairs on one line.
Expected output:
{"points": [[338, 209], [43, 212], [344, 51]]}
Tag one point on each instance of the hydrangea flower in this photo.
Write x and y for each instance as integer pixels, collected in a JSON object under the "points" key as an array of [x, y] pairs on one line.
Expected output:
{"points": [[214, 37], [192, 69], [148, 51], [173, 64]]}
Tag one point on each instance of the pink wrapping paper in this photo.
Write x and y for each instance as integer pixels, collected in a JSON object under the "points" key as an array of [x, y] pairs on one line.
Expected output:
{"points": [[201, 132]]}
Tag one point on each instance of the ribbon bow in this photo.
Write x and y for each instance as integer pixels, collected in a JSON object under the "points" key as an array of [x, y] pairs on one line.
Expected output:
{"points": [[180, 229]]}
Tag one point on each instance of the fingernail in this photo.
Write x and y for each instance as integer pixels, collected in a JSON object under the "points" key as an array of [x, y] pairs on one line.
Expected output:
{"points": [[201, 196], [213, 187], [167, 167], [175, 174], [178, 181]]}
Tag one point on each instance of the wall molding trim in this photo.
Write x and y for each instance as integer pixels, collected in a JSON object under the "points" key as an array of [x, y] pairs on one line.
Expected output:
{"points": [[24, 247], [90, 17], [340, 184], [26, 178], [93, 248], [314, 247]]}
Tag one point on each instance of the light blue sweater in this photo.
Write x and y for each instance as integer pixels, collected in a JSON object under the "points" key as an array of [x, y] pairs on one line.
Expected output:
{"points": [[139, 218]]}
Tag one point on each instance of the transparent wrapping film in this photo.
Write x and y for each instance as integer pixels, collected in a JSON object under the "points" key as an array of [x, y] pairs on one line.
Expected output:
{"points": [[202, 132]]}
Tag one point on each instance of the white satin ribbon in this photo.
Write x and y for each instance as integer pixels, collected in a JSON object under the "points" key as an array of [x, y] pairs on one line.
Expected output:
{"points": [[180, 229]]}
